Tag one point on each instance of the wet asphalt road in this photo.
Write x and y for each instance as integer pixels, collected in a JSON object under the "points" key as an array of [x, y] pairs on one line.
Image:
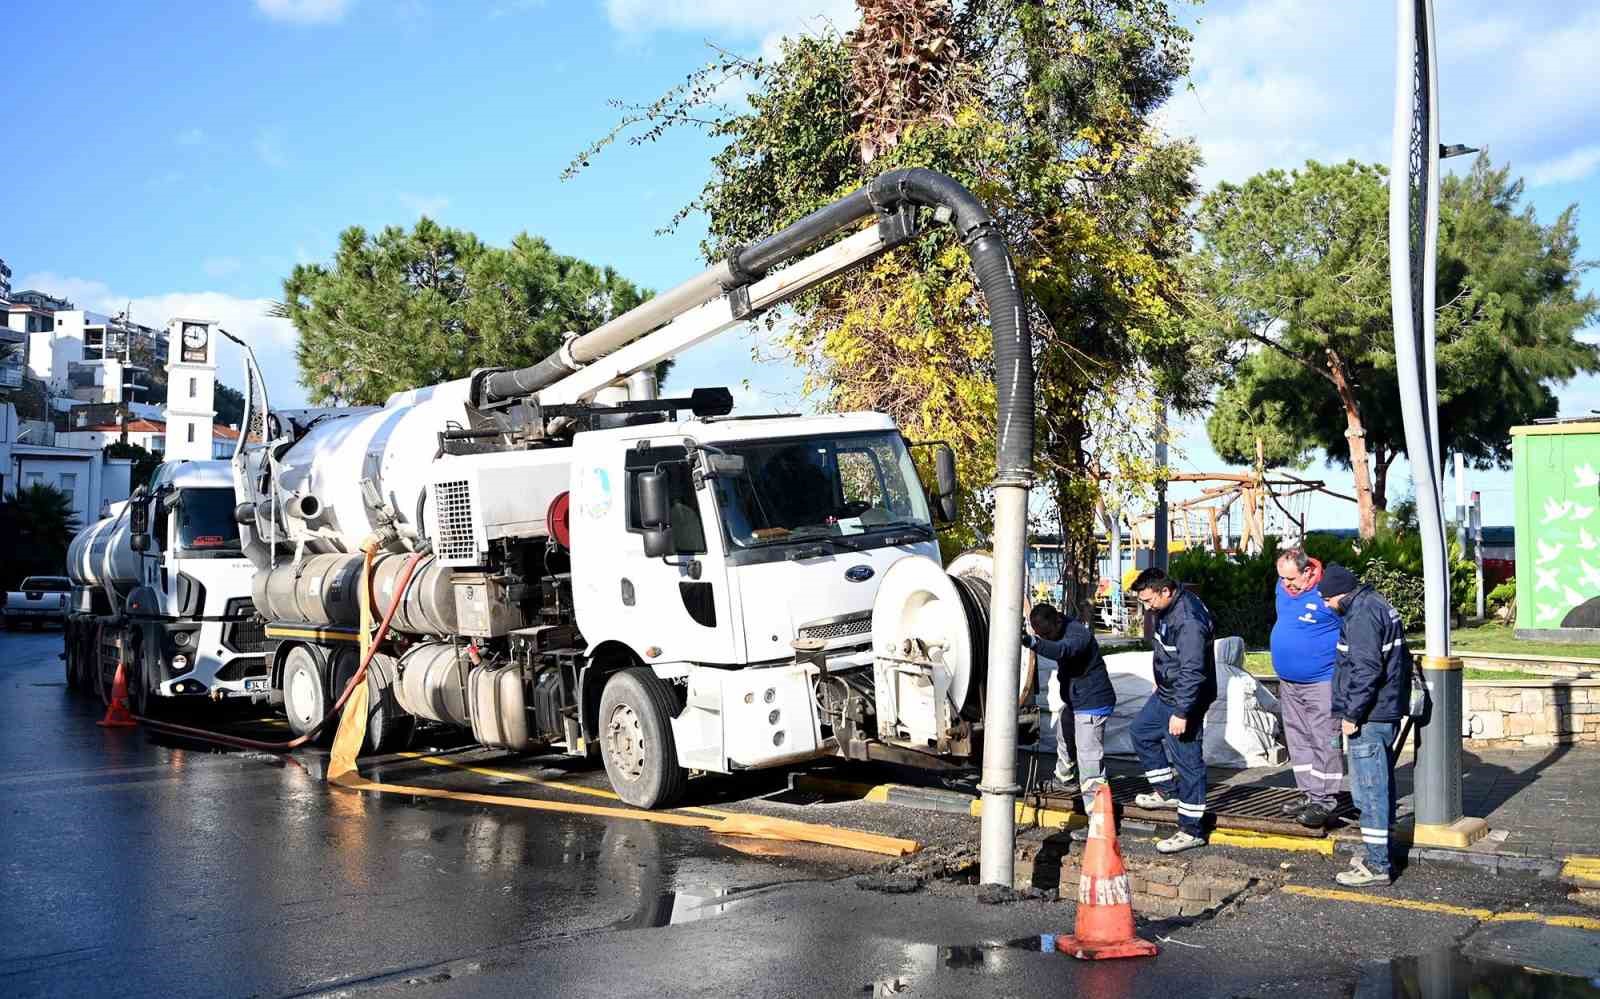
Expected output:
{"points": [[136, 868]]}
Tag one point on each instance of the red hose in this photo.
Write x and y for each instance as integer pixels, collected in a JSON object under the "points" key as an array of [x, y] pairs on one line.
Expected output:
{"points": [[360, 676]]}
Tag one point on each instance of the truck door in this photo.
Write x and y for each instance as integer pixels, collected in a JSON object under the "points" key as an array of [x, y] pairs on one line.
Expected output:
{"points": [[678, 604]]}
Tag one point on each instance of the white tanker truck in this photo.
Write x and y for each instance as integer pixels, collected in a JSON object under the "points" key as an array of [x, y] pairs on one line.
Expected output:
{"points": [[653, 579], [162, 586]]}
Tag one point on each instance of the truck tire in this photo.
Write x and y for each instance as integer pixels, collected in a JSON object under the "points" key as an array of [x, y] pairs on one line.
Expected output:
{"points": [[389, 726], [305, 693], [69, 643], [636, 740]]}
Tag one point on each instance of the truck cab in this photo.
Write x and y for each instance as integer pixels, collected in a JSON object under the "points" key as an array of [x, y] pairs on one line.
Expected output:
{"points": [[711, 551], [165, 588]]}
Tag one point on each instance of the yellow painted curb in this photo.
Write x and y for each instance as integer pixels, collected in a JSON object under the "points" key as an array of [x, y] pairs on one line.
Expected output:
{"points": [[1267, 841], [1443, 909], [1580, 868], [1042, 818], [850, 789], [1458, 835]]}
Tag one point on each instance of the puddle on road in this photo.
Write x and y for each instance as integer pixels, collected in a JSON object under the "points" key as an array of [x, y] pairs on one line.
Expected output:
{"points": [[1446, 974], [1449, 972]]}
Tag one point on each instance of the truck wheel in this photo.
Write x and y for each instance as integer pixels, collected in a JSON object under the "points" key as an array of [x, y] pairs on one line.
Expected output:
{"points": [[636, 741], [70, 647], [389, 726], [305, 699]]}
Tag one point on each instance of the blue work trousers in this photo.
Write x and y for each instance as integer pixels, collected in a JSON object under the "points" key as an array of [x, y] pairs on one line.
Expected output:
{"points": [[1173, 765], [1372, 788]]}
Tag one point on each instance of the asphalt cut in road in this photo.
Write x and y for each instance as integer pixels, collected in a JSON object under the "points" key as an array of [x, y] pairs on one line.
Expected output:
{"points": [[136, 867]]}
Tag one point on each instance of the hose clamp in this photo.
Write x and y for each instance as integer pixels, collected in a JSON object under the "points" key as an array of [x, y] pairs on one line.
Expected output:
{"points": [[1023, 479], [1004, 789], [738, 274]]}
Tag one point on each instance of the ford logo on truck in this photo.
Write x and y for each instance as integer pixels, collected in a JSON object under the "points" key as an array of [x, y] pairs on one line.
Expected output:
{"points": [[858, 573]]}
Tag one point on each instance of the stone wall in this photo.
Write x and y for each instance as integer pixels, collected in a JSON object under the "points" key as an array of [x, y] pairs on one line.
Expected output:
{"points": [[1531, 714]]}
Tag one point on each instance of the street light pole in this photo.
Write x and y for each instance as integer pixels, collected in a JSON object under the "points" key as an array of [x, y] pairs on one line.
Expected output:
{"points": [[1413, 240]]}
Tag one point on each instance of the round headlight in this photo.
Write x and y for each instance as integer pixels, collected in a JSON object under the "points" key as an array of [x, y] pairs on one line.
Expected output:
{"points": [[182, 638], [180, 663]]}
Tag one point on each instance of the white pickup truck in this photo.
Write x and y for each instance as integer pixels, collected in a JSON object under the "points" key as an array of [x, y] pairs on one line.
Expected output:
{"points": [[40, 599]]}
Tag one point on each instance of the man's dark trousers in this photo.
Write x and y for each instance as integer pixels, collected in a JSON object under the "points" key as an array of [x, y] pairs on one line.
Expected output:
{"points": [[1174, 765]]}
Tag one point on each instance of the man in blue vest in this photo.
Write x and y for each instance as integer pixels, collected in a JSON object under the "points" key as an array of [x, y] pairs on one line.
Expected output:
{"points": [[1302, 643], [1168, 733], [1371, 694], [1086, 695]]}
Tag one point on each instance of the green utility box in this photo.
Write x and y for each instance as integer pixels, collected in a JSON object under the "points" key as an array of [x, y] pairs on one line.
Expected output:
{"points": [[1557, 485]]}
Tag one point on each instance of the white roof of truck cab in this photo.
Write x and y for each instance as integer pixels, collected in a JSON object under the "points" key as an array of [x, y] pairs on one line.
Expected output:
{"points": [[194, 474], [737, 428]]}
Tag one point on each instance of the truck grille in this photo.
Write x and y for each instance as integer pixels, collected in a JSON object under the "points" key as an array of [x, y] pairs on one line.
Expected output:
{"points": [[452, 508], [838, 627], [247, 635]]}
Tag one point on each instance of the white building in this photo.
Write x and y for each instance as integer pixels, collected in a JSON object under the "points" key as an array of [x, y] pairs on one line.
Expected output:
{"points": [[92, 480], [89, 357], [148, 434]]}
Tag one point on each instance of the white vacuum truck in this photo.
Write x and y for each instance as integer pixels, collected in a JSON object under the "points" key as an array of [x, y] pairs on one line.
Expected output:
{"points": [[679, 588], [163, 587]]}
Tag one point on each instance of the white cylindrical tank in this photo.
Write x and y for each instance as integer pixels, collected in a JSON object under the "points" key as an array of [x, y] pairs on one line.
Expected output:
{"points": [[393, 446], [102, 554]]}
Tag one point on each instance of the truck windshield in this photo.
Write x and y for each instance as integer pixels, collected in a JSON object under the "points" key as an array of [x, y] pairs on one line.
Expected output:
{"points": [[818, 488], [205, 520]]}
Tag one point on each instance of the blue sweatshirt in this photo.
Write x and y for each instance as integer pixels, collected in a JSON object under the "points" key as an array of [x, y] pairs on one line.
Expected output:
{"points": [[1304, 637]]}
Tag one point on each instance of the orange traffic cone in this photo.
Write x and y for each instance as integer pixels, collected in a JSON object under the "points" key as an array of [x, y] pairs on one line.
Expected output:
{"points": [[1105, 906], [117, 713]]}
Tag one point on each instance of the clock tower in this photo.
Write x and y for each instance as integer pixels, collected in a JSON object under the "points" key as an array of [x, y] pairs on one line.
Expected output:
{"points": [[191, 388]]}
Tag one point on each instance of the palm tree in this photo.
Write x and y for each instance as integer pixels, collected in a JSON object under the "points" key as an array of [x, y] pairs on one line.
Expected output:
{"points": [[44, 522]]}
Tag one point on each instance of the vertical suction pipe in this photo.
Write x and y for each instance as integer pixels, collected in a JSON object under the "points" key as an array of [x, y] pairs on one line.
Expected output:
{"points": [[1013, 368]]}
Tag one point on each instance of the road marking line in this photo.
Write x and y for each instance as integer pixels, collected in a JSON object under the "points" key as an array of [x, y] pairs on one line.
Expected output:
{"points": [[595, 792], [1581, 868], [1441, 908]]}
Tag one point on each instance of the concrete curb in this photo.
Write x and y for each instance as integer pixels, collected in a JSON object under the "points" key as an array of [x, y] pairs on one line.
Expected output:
{"points": [[956, 802]]}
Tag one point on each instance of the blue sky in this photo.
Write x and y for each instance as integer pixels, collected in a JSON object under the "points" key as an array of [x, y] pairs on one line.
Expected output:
{"points": [[183, 159]]}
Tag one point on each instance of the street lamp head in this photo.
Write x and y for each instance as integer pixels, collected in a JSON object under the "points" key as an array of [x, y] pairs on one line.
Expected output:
{"points": [[1455, 149]]}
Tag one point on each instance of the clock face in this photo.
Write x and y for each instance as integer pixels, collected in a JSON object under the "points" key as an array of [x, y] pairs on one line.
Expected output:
{"points": [[195, 336]]}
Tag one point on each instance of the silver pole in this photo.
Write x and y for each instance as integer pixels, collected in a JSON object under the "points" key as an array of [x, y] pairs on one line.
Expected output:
{"points": [[1413, 235], [1162, 529], [997, 843], [1476, 515]]}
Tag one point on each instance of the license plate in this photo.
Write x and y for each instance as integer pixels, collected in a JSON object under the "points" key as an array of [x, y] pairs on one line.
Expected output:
{"points": [[258, 684]]}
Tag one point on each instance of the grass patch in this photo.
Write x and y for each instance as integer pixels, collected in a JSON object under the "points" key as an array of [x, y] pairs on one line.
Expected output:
{"points": [[1259, 664], [1499, 638]]}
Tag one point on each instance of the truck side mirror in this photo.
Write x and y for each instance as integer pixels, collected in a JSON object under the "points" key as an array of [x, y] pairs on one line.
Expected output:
{"points": [[657, 542], [139, 516], [944, 468], [653, 511], [655, 514]]}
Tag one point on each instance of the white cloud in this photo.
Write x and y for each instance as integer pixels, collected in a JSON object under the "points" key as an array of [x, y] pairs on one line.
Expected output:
{"points": [[219, 266], [269, 147], [1576, 165], [734, 20], [273, 340], [423, 204], [191, 137], [304, 11], [1276, 82]]}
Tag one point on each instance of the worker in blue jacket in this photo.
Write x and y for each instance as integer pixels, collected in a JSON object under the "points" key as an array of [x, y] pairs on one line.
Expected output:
{"points": [[1087, 697], [1371, 694], [1169, 732]]}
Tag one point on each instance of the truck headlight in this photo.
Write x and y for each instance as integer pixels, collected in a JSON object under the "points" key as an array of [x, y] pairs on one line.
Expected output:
{"points": [[180, 664], [182, 638]]}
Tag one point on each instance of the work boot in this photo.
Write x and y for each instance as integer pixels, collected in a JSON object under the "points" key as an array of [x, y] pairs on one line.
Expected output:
{"points": [[1181, 841], [1155, 799], [1314, 816], [1359, 875], [1294, 806]]}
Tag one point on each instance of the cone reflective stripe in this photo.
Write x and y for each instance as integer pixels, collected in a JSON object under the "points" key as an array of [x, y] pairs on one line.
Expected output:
{"points": [[1104, 927], [117, 713]]}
